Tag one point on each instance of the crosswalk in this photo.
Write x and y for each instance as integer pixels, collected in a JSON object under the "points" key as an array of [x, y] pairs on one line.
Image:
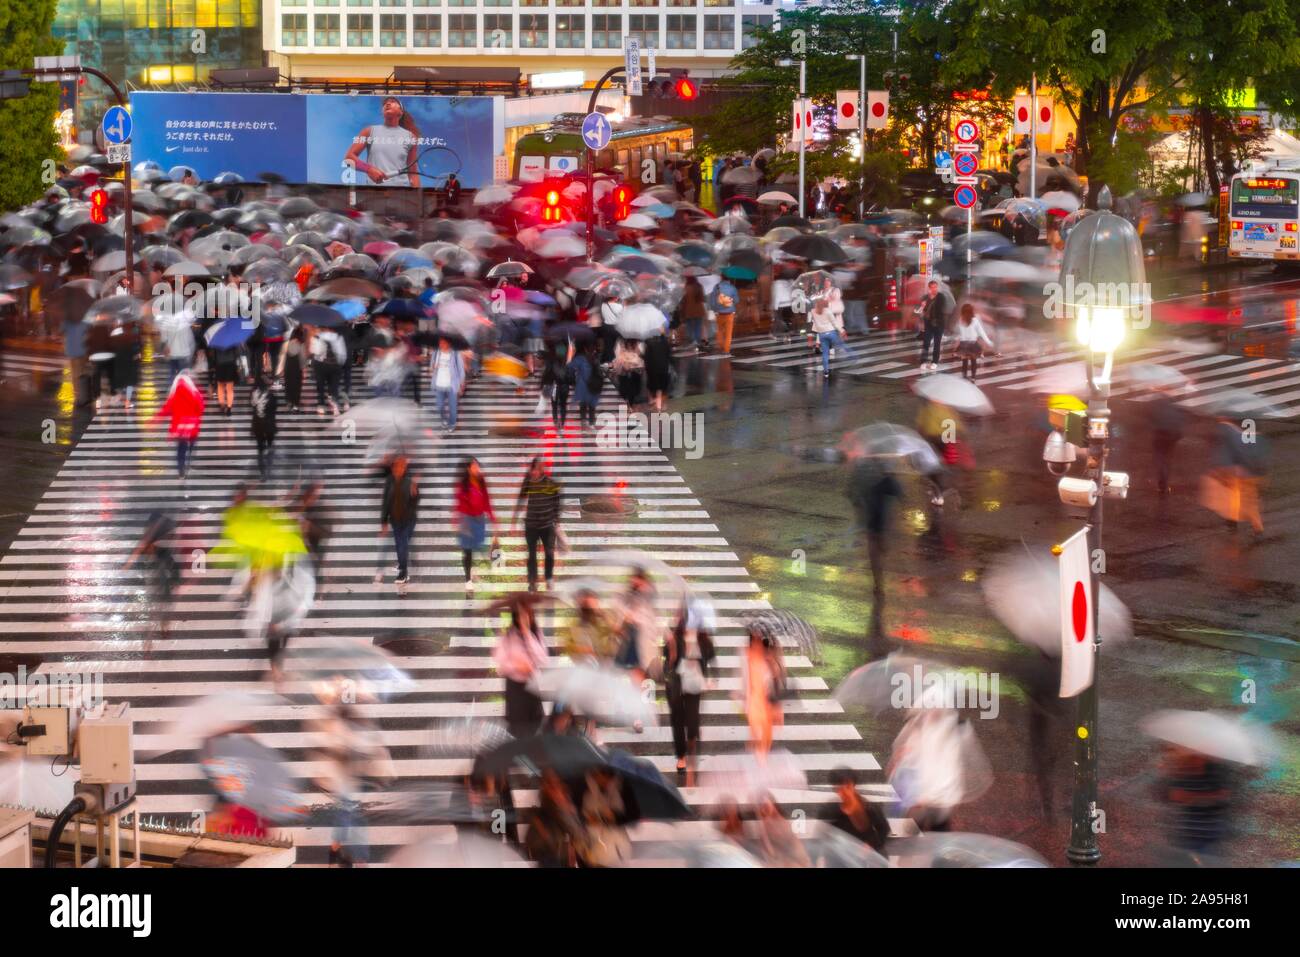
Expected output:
{"points": [[20, 365], [70, 605], [892, 356]]}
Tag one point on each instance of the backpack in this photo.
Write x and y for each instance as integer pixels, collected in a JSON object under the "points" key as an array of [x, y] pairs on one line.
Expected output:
{"points": [[331, 358], [595, 378]]}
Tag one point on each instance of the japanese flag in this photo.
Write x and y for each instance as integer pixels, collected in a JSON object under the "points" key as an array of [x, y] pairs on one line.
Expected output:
{"points": [[1021, 115], [802, 113], [1046, 115], [877, 109], [846, 109], [1077, 651]]}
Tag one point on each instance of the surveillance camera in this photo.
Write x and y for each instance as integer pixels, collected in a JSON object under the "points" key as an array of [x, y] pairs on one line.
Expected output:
{"points": [[1058, 454]]}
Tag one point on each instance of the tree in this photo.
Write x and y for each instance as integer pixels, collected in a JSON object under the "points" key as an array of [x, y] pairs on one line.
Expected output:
{"points": [[27, 137]]}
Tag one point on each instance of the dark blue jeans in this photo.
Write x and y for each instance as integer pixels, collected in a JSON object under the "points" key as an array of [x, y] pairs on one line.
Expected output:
{"points": [[402, 542], [184, 454], [932, 339]]}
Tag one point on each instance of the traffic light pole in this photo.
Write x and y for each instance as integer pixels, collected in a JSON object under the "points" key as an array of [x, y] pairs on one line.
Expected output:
{"points": [[129, 225], [591, 163]]}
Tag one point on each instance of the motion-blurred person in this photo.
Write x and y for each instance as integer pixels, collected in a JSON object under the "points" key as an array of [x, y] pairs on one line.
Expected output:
{"points": [[447, 374], [640, 630], [555, 828], [1197, 792], [853, 815], [874, 493], [658, 369], [1168, 425], [557, 380], [589, 382], [400, 508], [592, 637], [723, 302], [828, 326], [1238, 464], [264, 405], [970, 333], [541, 498], [628, 370], [688, 655], [763, 683], [163, 571], [328, 355], [780, 845], [693, 311], [290, 367], [472, 510], [227, 363], [730, 823], [184, 409], [519, 652], [605, 842]]}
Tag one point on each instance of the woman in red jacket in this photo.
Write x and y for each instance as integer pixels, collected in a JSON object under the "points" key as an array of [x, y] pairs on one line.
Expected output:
{"points": [[473, 510], [185, 404]]}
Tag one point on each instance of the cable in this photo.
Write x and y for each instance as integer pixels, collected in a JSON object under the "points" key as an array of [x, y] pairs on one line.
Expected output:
{"points": [[75, 807]]}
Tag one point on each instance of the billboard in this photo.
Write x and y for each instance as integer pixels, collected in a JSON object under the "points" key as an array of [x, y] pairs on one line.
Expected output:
{"points": [[396, 141]]}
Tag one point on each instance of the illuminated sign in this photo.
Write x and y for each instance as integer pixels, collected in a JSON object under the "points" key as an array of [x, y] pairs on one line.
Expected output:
{"points": [[1267, 183]]}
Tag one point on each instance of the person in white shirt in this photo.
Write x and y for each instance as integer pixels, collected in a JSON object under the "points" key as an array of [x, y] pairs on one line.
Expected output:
{"points": [[970, 333], [828, 327]]}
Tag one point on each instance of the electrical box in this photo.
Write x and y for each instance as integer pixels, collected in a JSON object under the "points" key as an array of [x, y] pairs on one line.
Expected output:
{"points": [[57, 738], [1072, 423], [105, 746]]}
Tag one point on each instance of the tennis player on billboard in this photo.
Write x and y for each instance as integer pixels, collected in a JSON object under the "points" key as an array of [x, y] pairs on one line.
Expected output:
{"points": [[391, 148]]}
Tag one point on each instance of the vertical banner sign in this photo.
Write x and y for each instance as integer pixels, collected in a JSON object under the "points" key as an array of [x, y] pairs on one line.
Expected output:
{"points": [[632, 65], [801, 110], [650, 61], [936, 243], [1020, 115], [877, 109], [923, 258], [1077, 653], [1046, 115], [846, 109], [1223, 216]]}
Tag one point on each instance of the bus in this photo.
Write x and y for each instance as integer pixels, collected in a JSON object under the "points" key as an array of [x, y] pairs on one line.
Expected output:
{"points": [[559, 150], [1264, 209]]}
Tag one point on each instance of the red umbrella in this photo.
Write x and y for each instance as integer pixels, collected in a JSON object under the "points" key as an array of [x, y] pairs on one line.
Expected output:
{"points": [[380, 248]]}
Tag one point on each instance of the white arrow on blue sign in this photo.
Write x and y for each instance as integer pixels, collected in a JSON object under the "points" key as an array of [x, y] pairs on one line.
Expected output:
{"points": [[117, 125], [942, 158], [596, 131]]}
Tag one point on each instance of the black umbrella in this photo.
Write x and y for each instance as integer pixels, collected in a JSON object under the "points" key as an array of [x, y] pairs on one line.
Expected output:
{"points": [[314, 314], [271, 178], [348, 288], [431, 339], [298, 207], [400, 309], [637, 265], [577, 331], [798, 222], [814, 248], [189, 219], [68, 303], [12, 277], [569, 756], [646, 794]]}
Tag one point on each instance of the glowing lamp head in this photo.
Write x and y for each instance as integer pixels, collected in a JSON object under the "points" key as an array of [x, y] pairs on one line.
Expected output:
{"points": [[1101, 329]]}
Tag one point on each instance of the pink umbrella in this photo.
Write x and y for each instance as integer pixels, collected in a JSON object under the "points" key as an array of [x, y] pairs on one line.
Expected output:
{"points": [[268, 239], [380, 248], [336, 249]]}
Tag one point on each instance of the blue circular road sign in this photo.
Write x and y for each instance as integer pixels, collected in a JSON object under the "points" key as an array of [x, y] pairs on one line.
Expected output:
{"points": [[965, 196], [942, 158], [116, 125], [596, 131], [966, 164]]}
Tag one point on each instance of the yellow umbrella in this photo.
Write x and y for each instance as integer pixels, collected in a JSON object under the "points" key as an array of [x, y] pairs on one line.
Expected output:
{"points": [[505, 367], [261, 536], [1067, 403]]}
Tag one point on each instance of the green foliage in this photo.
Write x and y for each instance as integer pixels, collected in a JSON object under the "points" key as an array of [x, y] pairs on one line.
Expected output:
{"points": [[27, 136]]}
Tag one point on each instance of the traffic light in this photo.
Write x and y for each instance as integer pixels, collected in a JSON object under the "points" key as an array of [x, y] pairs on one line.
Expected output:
{"points": [[677, 85], [551, 212], [99, 206], [622, 202]]}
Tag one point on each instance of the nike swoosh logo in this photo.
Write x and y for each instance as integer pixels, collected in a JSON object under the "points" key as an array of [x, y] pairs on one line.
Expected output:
{"points": [[172, 149]]}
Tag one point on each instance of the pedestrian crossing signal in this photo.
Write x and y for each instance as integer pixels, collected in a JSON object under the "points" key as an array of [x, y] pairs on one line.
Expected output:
{"points": [[622, 203], [551, 206], [99, 206]]}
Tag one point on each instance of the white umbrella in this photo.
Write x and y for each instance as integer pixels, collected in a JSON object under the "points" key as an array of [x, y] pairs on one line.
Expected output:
{"points": [[646, 199], [382, 413], [745, 777], [213, 715], [938, 763], [561, 244], [461, 736], [467, 849], [640, 320], [1215, 734], [958, 849], [187, 267], [879, 686], [491, 195], [1024, 593], [1066, 379], [955, 392], [776, 196], [1059, 199], [1009, 269], [1156, 376], [638, 221], [606, 694]]}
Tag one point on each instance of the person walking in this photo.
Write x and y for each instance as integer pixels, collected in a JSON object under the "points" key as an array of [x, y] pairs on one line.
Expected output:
{"points": [[328, 354], [557, 380], [400, 508], [688, 655], [447, 373], [541, 498], [589, 382], [176, 330], [74, 349], [1238, 464], [628, 369], [935, 309], [127, 352], [723, 301], [761, 689], [970, 333], [519, 653], [290, 368], [184, 409], [472, 510], [873, 490], [854, 816], [693, 310], [227, 362], [1168, 423], [264, 404], [828, 326]]}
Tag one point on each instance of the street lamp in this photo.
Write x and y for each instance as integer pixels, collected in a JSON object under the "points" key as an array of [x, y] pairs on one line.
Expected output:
{"points": [[862, 131], [803, 92], [1104, 282]]}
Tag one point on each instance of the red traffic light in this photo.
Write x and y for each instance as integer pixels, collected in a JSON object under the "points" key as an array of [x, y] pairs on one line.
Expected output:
{"points": [[99, 206], [622, 202], [685, 89], [551, 206]]}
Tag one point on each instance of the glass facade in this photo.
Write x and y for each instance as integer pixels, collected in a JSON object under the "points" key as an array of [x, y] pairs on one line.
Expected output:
{"points": [[152, 43]]}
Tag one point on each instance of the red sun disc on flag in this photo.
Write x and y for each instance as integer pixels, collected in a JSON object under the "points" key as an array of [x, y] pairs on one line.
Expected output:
{"points": [[846, 108], [1044, 114], [1079, 612], [1022, 114], [877, 109]]}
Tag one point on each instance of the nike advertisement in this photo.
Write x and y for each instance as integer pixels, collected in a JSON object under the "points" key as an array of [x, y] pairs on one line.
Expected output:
{"points": [[391, 141]]}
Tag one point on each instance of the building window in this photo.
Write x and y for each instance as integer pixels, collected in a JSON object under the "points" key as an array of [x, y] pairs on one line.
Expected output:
{"points": [[751, 25], [643, 3], [497, 30], [681, 31], [293, 3], [569, 30], [325, 3], [327, 30], [426, 29], [570, 3], [682, 3], [361, 30], [462, 3], [293, 29], [645, 27], [496, 3], [607, 3], [533, 3], [606, 31], [533, 30], [391, 3], [462, 30], [392, 29], [719, 3], [719, 31], [426, 3], [361, 3]]}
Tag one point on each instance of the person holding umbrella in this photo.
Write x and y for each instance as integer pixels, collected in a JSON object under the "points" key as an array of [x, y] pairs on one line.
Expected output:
{"points": [[723, 301], [400, 508], [688, 654], [447, 373], [264, 406], [970, 333], [184, 407], [558, 378], [290, 367], [519, 653], [828, 326], [589, 381], [541, 497], [472, 511]]}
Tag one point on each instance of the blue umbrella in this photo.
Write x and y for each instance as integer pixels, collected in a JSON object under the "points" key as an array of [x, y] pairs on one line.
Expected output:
{"points": [[231, 333], [400, 309], [539, 298], [739, 272], [660, 211], [314, 314], [178, 173], [350, 309], [227, 179]]}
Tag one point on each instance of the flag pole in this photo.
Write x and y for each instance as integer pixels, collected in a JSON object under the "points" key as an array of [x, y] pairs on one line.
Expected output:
{"points": [[1033, 136]]}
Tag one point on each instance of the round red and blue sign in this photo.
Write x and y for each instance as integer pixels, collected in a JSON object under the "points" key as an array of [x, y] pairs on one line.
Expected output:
{"points": [[966, 164], [965, 196]]}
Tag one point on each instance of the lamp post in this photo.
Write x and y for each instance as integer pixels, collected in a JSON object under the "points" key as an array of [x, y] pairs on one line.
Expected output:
{"points": [[1104, 280], [862, 131], [803, 140]]}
